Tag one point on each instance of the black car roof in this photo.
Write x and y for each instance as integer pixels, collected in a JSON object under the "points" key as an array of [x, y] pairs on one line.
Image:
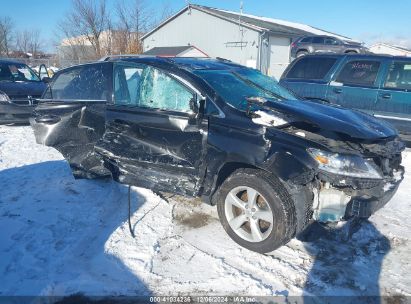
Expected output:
{"points": [[189, 63]]}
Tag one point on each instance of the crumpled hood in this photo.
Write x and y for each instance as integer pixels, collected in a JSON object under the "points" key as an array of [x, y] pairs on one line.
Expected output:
{"points": [[22, 88], [334, 118]]}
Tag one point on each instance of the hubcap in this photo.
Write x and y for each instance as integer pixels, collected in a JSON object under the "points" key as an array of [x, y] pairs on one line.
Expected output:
{"points": [[248, 214]]}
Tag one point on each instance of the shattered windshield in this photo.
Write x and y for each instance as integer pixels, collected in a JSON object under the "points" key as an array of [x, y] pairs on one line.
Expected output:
{"points": [[234, 86], [17, 72]]}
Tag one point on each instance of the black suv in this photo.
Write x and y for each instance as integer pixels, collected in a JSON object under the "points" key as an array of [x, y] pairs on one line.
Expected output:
{"points": [[211, 128]]}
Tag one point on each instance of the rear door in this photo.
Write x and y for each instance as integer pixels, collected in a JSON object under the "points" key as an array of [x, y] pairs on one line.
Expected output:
{"points": [[355, 85], [318, 44], [394, 97], [70, 116], [153, 138]]}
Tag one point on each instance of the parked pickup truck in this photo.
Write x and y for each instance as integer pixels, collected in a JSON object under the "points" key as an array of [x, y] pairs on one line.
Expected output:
{"points": [[378, 85]]}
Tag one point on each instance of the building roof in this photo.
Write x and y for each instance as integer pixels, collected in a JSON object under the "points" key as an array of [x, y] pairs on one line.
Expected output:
{"points": [[395, 47], [257, 23], [171, 51]]}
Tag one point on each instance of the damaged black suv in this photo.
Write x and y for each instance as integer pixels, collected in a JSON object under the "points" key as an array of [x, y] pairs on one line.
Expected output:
{"points": [[211, 128]]}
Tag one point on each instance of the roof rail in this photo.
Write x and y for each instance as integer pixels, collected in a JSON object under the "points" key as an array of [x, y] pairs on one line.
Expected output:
{"points": [[108, 57], [223, 59]]}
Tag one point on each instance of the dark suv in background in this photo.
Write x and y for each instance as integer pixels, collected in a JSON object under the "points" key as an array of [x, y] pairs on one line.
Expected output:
{"points": [[378, 85], [325, 44]]}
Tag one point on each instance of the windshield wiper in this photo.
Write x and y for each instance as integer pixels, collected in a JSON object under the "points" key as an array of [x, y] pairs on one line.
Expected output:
{"points": [[277, 96]]}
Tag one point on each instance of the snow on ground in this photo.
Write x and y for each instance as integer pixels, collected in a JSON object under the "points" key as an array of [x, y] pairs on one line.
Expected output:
{"points": [[60, 236]]}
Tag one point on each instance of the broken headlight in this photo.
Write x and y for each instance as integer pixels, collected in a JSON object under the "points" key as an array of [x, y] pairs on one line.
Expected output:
{"points": [[347, 165], [4, 98]]}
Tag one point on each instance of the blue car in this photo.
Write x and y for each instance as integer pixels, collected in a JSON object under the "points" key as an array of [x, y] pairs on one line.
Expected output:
{"points": [[378, 85], [20, 87]]}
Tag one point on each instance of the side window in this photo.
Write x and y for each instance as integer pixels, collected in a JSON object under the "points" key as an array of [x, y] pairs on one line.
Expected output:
{"points": [[359, 72], [160, 91], [311, 68], [127, 80], [399, 76], [88, 82], [318, 40], [306, 40], [330, 41]]}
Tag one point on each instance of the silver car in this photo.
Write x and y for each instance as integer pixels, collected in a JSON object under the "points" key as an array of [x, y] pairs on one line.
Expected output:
{"points": [[325, 44]]}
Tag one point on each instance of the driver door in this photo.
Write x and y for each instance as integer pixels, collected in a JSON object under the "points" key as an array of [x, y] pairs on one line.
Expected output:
{"points": [[154, 136]]}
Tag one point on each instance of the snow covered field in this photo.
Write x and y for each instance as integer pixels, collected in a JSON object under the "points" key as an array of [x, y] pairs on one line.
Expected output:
{"points": [[60, 236]]}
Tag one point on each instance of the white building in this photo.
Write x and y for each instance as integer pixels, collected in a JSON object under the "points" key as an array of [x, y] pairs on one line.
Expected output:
{"points": [[258, 42], [388, 49]]}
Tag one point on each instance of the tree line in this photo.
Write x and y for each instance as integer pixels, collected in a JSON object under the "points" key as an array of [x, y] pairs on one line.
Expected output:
{"points": [[17, 43], [89, 30]]}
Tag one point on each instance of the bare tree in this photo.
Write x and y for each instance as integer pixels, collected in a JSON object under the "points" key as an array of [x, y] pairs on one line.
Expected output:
{"points": [[133, 21], [23, 41], [85, 24], [28, 42], [6, 35], [35, 42]]}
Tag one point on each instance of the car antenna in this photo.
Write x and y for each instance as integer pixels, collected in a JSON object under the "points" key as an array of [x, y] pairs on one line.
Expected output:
{"points": [[129, 213]]}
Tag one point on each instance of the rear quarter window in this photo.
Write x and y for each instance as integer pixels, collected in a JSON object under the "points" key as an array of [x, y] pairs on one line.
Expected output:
{"points": [[399, 76], [311, 68], [88, 82]]}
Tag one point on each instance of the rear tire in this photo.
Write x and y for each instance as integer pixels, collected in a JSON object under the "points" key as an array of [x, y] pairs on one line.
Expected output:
{"points": [[256, 210]]}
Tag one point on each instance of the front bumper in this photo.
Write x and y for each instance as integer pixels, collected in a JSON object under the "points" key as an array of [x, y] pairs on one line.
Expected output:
{"points": [[14, 113], [337, 198]]}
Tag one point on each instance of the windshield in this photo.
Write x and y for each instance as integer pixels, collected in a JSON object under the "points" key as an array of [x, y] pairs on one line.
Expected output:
{"points": [[17, 72], [234, 86]]}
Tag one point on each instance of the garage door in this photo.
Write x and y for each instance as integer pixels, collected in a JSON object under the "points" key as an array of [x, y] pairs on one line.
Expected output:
{"points": [[279, 55]]}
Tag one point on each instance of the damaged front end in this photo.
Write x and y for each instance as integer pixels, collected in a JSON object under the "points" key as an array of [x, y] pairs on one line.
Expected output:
{"points": [[346, 176], [342, 194]]}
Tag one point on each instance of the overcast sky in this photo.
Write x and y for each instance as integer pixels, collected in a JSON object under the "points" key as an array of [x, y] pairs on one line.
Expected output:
{"points": [[366, 20]]}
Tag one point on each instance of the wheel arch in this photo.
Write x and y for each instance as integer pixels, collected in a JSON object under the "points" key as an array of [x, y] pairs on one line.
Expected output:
{"points": [[350, 51], [224, 172]]}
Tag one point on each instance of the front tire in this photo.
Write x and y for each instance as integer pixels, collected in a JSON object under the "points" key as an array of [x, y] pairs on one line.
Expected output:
{"points": [[256, 210]]}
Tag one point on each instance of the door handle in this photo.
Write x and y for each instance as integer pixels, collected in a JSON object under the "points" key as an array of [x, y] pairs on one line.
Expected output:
{"points": [[48, 119], [385, 96], [337, 90]]}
